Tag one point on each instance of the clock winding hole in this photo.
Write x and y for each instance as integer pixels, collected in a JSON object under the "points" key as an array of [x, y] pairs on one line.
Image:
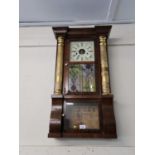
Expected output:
{"points": [[82, 51]]}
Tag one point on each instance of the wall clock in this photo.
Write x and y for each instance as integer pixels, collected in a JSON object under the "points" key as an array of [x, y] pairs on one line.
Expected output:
{"points": [[82, 103]]}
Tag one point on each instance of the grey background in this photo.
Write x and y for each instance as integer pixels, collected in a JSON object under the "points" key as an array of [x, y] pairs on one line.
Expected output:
{"points": [[75, 12]]}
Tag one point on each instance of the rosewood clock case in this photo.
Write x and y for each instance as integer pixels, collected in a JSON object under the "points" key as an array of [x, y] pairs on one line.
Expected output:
{"points": [[82, 103]]}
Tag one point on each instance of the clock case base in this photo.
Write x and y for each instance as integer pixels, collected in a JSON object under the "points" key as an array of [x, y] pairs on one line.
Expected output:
{"points": [[107, 119]]}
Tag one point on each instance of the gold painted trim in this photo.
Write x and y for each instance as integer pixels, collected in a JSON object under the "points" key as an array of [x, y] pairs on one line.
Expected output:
{"points": [[104, 66], [59, 66]]}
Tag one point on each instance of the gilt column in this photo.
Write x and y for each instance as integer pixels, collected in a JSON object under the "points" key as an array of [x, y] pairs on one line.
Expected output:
{"points": [[104, 66], [59, 66]]}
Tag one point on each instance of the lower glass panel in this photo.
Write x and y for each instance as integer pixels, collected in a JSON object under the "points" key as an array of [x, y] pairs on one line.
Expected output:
{"points": [[82, 78], [80, 116]]}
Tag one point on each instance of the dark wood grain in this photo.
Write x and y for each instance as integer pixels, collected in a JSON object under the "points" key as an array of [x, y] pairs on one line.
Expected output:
{"points": [[55, 127], [104, 102]]}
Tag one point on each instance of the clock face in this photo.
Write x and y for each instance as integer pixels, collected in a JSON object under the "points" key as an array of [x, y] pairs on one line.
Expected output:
{"points": [[82, 51]]}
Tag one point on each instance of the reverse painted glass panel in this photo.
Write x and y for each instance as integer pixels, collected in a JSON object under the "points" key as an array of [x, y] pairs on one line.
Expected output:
{"points": [[82, 78], [75, 78]]}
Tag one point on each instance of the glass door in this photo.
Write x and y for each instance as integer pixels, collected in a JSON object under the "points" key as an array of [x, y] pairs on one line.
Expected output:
{"points": [[81, 116]]}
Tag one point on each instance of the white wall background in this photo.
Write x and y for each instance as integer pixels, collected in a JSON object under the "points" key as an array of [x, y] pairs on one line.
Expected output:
{"points": [[37, 63]]}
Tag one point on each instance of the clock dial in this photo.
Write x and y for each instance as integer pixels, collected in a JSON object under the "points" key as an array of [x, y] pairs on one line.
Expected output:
{"points": [[82, 51]]}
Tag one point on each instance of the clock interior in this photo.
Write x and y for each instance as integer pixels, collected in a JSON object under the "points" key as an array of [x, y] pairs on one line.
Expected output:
{"points": [[78, 116]]}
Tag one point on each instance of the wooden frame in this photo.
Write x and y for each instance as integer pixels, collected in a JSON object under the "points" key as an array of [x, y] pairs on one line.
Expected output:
{"points": [[104, 101], [67, 62]]}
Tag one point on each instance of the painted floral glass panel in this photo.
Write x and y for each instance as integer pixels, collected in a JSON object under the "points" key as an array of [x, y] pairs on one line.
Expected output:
{"points": [[75, 78], [82, 78], [88, 83]]}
